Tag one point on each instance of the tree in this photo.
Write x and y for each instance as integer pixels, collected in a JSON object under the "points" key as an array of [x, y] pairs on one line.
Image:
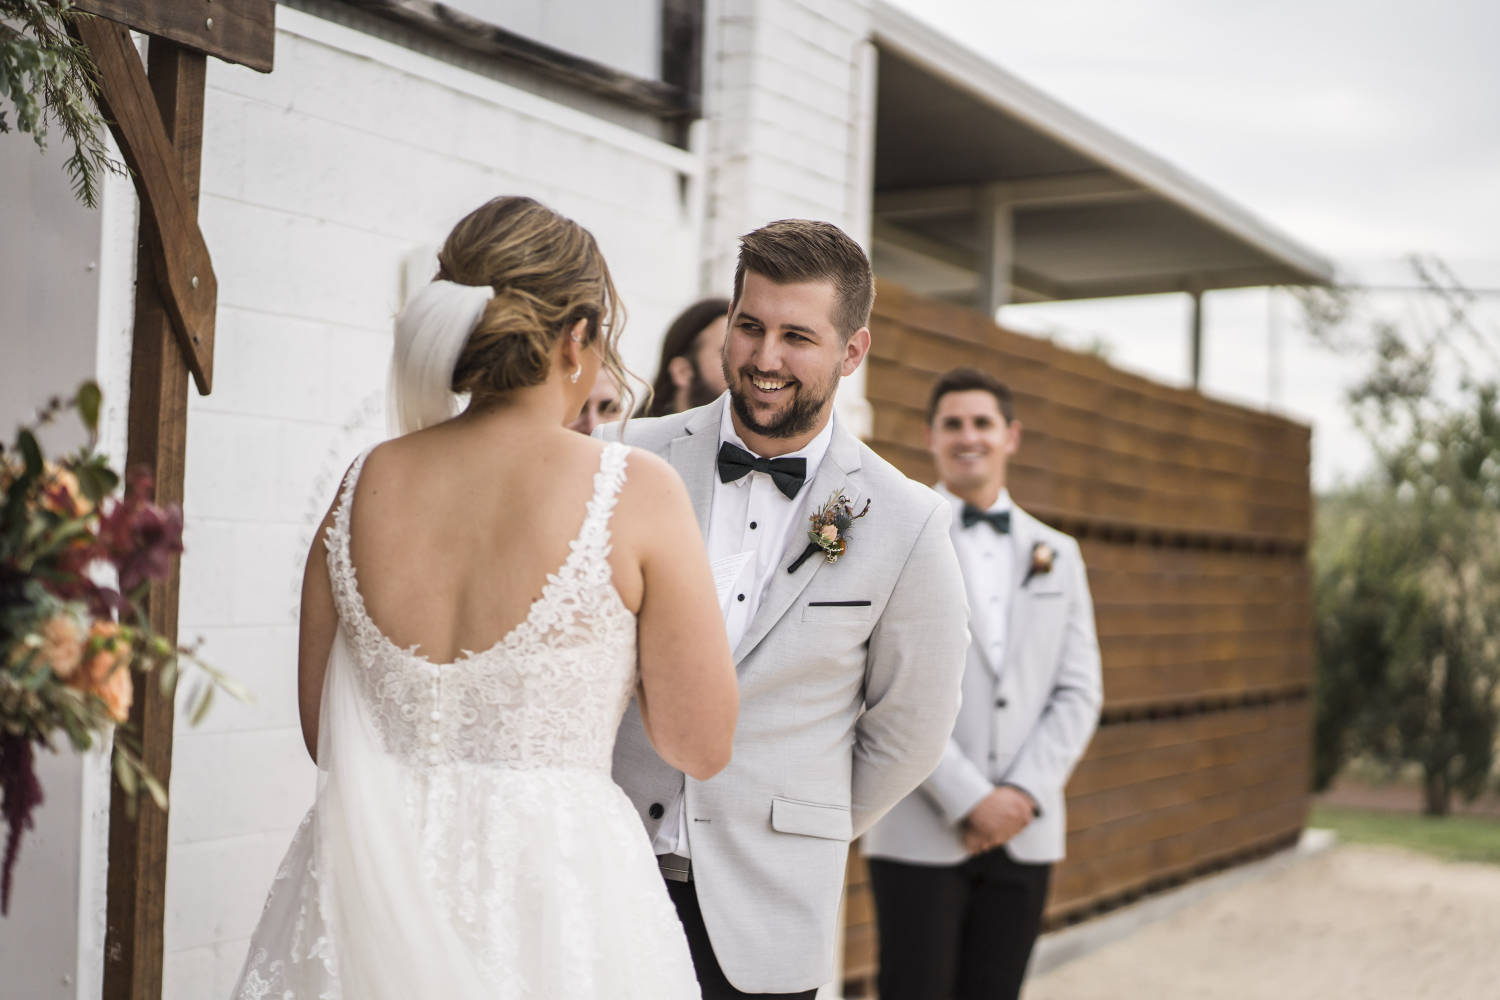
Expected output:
{"points": [[1407, 562], [49, 78]]}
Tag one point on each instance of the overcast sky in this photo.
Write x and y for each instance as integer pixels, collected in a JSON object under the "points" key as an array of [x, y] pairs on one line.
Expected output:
{"points": [[1367, 130]]}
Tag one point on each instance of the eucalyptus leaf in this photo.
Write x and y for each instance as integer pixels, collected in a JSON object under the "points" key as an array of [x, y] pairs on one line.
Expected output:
{"points": [[158, 793], [204, 699], [89, 398], [125, 774], [31, 452]]}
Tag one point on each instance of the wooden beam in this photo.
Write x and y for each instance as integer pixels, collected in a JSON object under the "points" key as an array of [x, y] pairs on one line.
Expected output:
{"points": [[182, 268], [157, 438], [438, 20], [237, 31], [1089, 187], [997, 242]]}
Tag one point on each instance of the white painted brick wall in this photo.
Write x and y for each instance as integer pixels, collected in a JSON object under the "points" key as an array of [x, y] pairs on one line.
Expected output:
{"points": [[318, 181]]}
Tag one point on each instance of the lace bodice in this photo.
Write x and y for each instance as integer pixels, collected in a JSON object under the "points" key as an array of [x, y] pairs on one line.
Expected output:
{"points": [[549, 694]]}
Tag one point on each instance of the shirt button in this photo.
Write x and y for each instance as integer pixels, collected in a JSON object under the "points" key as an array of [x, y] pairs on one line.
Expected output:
{"points": [[1001, 703], [656, 810], [436, 716], [740, 598], [752, 525], [436, 738]]}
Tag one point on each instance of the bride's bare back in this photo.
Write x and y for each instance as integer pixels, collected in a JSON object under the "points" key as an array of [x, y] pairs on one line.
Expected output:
{"points": [[455, 530], [454, 538]]}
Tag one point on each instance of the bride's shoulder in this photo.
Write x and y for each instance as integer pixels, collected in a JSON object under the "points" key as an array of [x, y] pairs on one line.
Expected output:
{"points": [[652, 492]]}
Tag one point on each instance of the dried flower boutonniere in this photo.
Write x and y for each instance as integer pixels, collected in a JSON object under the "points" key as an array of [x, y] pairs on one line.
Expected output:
{"points": [[829, 533], [1042, 558]]}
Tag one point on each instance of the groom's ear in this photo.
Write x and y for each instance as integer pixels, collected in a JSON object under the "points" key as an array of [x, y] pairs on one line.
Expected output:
{"points": [[1012, 437], [855, 349]]}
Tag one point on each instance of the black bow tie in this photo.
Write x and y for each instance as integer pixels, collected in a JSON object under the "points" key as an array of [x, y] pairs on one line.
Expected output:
{"points": [[999, 519], [787, 473]]}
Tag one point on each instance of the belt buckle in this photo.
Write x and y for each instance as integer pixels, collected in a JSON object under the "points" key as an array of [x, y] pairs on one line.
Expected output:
{"points": [[675, 868]]}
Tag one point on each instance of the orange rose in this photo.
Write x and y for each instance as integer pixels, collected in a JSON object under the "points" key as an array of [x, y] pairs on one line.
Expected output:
{"points": [[62, 645], [829, 532], [117, 692], [62, 495], [106, 670]]}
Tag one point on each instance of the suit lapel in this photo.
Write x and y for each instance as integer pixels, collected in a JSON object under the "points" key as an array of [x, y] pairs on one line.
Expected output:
{"points": [[841, 460], [1023, 536], [692, 455]]}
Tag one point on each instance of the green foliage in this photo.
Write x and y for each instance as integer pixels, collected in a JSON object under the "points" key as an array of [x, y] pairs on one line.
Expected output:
{"points": [[1407, 567], [47, 78], [1454, 838]]}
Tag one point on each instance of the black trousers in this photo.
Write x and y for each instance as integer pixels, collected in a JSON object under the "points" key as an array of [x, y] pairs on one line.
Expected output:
{"points": [[710, 976], [957, 932]]}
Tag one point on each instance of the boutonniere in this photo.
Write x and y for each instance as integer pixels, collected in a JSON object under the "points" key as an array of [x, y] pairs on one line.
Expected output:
{"points": [[1042, 558], [829, 533]]}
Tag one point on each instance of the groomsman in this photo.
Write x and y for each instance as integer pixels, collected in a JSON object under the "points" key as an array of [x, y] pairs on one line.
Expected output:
{"points": [[960, 867], [844, 606]]}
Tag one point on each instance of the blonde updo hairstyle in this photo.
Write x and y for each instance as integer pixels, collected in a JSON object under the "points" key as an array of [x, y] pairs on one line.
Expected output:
{"points": [[547, 273]]}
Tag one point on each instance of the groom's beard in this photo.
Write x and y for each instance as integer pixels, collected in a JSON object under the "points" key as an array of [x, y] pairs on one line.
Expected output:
{"points": [[797, 417]]}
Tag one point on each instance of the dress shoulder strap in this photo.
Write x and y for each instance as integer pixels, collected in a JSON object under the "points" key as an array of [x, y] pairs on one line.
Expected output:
{"points": [[594, 538], [346, 594]]}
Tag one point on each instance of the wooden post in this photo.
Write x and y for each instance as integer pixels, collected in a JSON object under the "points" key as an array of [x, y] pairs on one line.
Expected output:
{"points": [[1195, 338], [159, 377]]}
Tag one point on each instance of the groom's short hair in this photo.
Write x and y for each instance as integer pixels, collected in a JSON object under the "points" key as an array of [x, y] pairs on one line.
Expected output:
{"points": [[971, 380], [806, 250]]}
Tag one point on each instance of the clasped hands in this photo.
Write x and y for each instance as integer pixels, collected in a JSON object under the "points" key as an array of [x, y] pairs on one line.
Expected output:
{"points": [[999, 816]]}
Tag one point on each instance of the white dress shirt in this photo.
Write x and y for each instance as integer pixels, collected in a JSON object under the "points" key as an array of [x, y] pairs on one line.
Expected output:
{"points": [[987, 559], [748, 523]]}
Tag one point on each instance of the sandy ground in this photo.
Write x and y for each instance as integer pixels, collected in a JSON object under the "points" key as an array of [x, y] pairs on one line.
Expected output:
{"points": [[1371, 923]]}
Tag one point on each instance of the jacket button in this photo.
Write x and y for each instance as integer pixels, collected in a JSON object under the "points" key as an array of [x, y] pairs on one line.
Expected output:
{"points": [[656, 810], [1001, 703]]}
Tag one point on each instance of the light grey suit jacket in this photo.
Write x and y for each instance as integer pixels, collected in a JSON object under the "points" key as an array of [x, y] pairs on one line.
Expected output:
{"points": [[844, 709], [1024, 722]]}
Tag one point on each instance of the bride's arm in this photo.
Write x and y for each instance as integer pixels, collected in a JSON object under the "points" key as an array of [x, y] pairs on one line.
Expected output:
{"points": [[689, 696], [317, 625]]}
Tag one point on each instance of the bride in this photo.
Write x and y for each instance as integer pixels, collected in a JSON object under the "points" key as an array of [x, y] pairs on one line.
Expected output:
{"points": [[487, 592]]}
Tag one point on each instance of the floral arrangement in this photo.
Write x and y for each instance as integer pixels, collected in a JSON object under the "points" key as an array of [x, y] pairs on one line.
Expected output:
{"points": [[70, 636], [1042, 558], [829, 531]]}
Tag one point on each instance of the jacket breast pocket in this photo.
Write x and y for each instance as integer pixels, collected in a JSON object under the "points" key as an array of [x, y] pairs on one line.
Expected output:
{"points": [[834, 612], [811, 819]]}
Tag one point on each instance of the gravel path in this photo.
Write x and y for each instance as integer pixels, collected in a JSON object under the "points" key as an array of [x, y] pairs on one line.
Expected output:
{"points": [[1371, 923]]}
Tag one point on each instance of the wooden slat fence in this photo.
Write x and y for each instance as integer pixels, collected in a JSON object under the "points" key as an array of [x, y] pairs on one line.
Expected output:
{"points": [[1194, 516]]}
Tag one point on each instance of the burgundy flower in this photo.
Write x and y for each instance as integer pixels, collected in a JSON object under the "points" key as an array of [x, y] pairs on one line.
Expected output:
{"points": [[139, 537]]}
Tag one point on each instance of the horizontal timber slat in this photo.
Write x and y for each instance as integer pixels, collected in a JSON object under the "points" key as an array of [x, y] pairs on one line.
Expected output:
{"points": [[1194, 518]]}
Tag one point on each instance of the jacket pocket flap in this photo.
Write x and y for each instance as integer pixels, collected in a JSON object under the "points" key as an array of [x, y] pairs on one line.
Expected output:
{"points": [[811, 819]]}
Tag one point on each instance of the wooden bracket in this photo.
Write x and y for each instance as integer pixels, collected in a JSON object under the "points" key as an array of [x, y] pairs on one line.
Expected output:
{"points": [[237, 31], [184, 272]]}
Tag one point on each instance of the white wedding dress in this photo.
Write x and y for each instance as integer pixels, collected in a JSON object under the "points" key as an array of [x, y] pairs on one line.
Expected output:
{"points": [[467, 841]]}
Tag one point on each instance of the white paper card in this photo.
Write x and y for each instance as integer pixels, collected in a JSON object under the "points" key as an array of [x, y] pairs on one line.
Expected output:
{"points": [[726, 571]]}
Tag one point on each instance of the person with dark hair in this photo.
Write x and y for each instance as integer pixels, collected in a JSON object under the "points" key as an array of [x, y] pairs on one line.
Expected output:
{"points": [[691, 372], [843, 603], [960, 867]]}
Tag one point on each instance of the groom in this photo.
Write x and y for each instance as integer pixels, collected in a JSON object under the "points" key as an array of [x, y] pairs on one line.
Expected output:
{"points": [[849, 670]]}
